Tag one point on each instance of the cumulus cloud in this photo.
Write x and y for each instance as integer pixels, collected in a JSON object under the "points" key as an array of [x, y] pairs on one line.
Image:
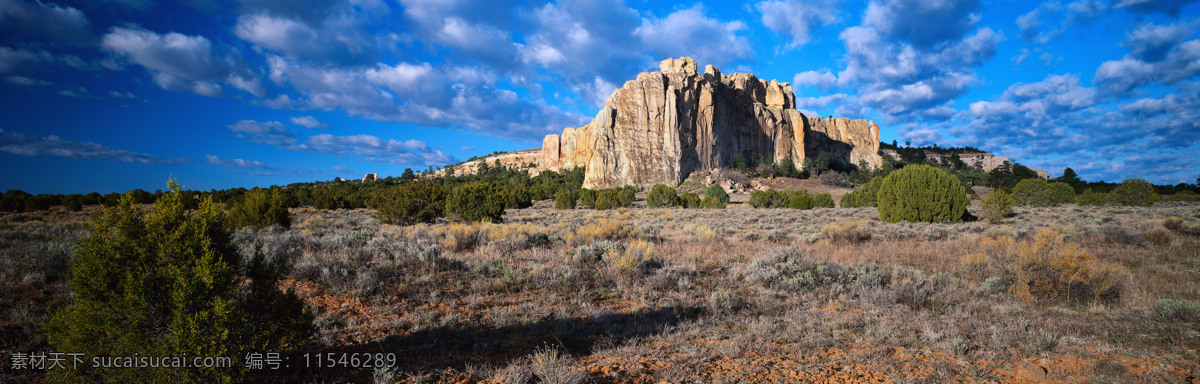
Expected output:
{"points": [[308, 122], [25, 145], [797, 19], [470, 29], [418, 93], [21, 60], [338, 38], [37, 20], [1059, 18], [898, 78], [1151, 42], [375, 149], [179, 62], [688, 32], [824, 80], [1056, 123], [1156, 56], [923, 23]]}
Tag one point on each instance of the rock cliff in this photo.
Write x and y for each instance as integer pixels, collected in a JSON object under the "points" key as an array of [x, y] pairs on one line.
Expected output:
{"points": [[664, 125]]}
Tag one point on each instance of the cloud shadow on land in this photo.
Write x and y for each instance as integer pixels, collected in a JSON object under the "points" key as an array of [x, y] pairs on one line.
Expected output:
{"points": [[437, 349]]}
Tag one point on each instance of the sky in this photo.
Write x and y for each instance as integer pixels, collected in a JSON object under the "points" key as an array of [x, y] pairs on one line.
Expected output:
{"points": [[112, 95]]}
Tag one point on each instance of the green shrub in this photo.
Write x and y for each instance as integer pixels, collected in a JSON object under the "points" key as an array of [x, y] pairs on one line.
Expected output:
{"points": [[996, 205], [564, 200], [689, 200], [1041, 193], [662, 196], [1135, 192], [625, 197], [587, 198], [169, 282], [712, 202], [1184, 195], [787, 168], [411, 203], [822, 200], [1090, 197], [799, 199], [517, 197], [606, 199], [1177, 310], [476, 201], [73, 204], [921, 193], [1062, 193], [717, 192], [260, 207], [769, 198], [865, 196]]}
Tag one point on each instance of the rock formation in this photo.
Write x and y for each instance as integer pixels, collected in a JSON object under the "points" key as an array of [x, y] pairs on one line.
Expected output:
{"points": [[663, 125]]}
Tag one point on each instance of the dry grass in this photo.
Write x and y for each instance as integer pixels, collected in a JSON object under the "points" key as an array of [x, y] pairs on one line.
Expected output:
{"points": [[643, 295]]}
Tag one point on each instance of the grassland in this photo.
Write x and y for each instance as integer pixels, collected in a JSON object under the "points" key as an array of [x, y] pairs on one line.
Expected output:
{"points": [[738, 295]]}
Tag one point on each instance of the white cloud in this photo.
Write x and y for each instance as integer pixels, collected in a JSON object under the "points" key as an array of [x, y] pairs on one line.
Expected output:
{"points": [[239, 163], [924, 24], [269, 132], [362, 147], [1169, 7], [37, 20], [824, 80], [898, 78], [418, 93], [26, 81], [797, 19], [688, 32], [1056, 123], [308, 122], [24, 145], [1060, 18], [1180, 62]]}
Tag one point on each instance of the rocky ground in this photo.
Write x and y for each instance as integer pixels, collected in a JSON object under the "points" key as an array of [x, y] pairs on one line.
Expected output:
{"points": [[669, 295]]}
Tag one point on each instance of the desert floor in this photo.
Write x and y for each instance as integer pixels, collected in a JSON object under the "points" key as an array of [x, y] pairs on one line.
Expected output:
{"points": [[737, 295]]}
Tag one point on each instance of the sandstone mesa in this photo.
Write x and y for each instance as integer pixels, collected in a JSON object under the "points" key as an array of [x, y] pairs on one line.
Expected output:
{"points": [[666, 124]]}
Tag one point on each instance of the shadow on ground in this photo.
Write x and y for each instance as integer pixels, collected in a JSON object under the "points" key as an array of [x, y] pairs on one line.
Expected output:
{"points": [[436, 349]]}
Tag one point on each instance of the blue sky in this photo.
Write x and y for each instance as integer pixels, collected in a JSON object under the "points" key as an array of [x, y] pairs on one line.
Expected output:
{"points": [[111, 95]]}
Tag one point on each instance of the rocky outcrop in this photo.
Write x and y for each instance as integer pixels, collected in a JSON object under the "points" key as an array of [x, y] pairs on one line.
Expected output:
{"points": [[664, 125]]}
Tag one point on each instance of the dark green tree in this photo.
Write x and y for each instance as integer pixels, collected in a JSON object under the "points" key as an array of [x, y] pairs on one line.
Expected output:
{"points": [[564, 200], [169, 282], [822, 163], [662, 196], [718, 194], [587, 198], [865, 196], [689, 200], [260, 207], [408, 204], [475, 201], [1135, 192], [921, 193]]}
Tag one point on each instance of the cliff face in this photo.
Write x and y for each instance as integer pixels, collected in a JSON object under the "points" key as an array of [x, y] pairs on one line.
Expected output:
{"points": [[664, 125]]}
